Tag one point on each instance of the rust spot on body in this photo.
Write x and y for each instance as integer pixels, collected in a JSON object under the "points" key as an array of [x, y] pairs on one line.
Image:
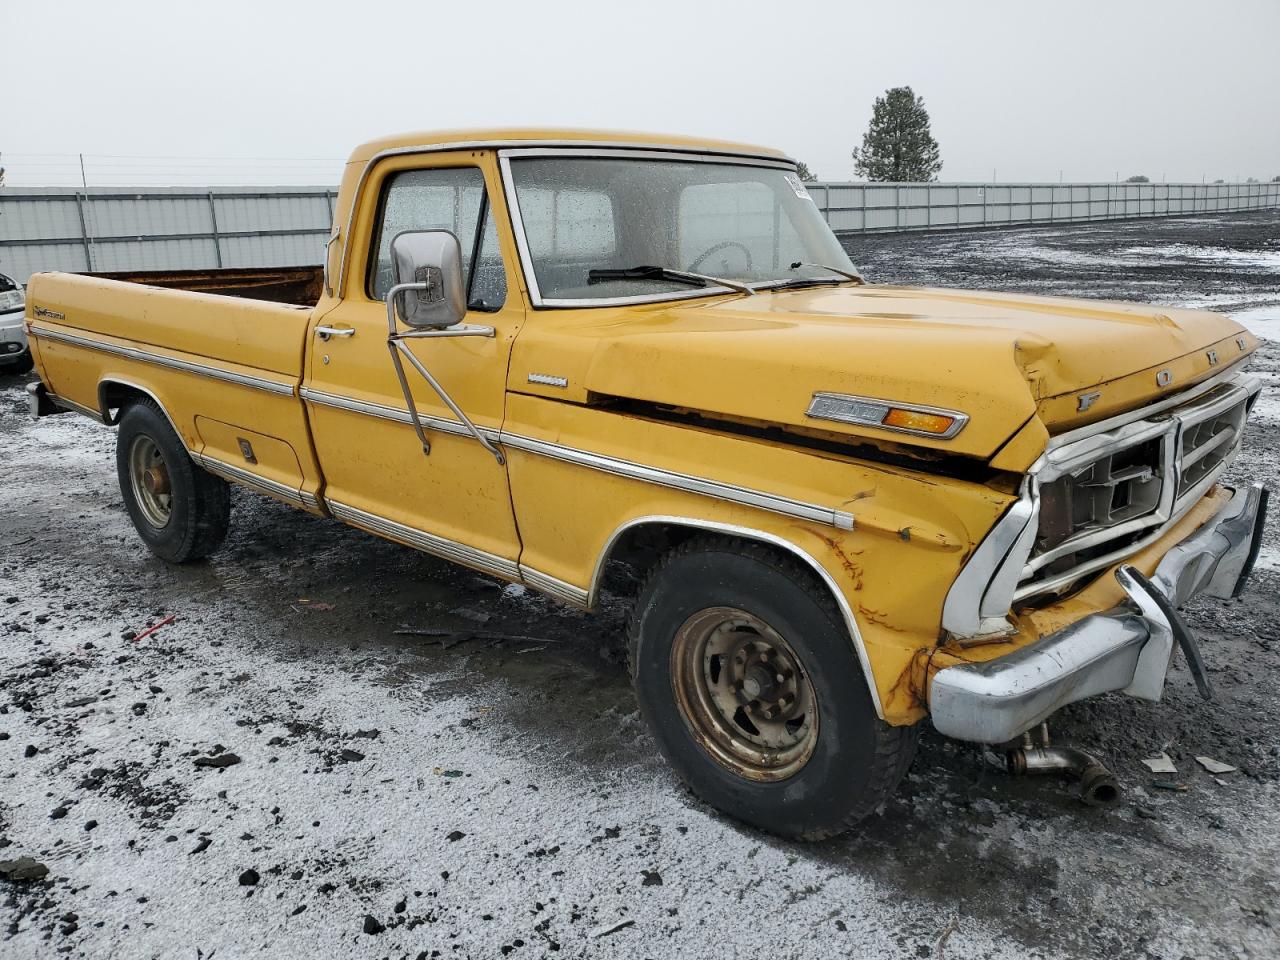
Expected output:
{"points": [[852, 569], [879, 618]]}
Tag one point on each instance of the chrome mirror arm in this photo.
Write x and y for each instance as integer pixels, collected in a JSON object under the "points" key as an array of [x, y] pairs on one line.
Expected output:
{"points": [[397, 346]]}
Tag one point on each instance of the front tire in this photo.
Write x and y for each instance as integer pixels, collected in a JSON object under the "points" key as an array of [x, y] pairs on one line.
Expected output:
{"points": [[181, 512], [747, 676]]}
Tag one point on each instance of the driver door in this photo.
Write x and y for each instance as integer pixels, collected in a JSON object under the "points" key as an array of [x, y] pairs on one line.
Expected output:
{"points": [[454, 500]]}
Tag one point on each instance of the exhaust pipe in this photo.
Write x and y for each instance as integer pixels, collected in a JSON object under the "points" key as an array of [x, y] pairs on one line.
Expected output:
{"points": [[1098, 788]]}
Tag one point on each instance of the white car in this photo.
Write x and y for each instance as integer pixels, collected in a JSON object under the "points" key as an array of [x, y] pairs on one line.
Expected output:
{"points": [[15, 354]]}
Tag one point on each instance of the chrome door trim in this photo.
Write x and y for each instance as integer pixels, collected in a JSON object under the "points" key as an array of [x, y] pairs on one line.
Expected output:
{"points": [[173, 363], [426, 542], [851, 624], [259, 484], [715, 489], [385, 412], [685, 152]]}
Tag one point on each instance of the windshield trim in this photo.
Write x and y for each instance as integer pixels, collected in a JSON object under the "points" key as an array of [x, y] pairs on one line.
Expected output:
{"points": [[526, 258]]}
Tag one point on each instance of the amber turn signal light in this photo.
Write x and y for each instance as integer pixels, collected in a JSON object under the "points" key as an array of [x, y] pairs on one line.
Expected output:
{"points": [[917, 420]]}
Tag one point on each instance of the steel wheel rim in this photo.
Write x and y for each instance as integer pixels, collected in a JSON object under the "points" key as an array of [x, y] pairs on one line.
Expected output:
{"points": [[744, 694], [149, 477]]}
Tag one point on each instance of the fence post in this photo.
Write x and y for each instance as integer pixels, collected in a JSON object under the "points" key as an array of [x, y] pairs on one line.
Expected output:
{"points": [[213, 221], [84, 233]]}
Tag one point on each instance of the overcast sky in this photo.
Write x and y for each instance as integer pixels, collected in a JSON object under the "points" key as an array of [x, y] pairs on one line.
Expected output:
{"points": [[1178, 89]]}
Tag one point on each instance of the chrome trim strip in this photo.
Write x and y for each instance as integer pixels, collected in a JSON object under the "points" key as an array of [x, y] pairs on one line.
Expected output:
{"points": [[173, 363], [426, 542], [464, 145], [960, 419], [555, 587], [394, 414], [259, 484], [681, 481], [851, 624], [606, 464], [74, 407]]}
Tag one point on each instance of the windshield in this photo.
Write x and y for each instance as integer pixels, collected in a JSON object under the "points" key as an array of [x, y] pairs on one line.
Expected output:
{"points": [[736, 221]]}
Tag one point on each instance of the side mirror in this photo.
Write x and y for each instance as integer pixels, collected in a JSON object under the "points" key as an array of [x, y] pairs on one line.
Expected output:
{"points": [[432, 258]]}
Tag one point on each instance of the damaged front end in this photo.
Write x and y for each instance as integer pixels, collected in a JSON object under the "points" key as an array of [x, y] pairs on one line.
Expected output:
{"points": [[1133, 493]]}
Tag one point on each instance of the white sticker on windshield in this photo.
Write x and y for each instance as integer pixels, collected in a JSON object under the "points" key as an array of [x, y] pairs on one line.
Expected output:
{"points": [[798, 187]]}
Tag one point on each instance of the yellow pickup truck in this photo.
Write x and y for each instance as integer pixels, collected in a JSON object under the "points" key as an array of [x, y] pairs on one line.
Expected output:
{"points": [[546, 354]]}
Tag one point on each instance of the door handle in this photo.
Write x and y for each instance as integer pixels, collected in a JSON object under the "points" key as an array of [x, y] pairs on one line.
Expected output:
{"points": [[324, 333]]}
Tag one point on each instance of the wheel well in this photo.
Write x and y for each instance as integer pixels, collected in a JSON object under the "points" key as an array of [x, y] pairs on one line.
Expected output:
{"points": [[115, 396], [637, 547]]}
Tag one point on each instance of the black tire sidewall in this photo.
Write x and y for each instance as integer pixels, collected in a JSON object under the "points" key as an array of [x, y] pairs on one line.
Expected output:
{"points": [[840, 776], [174, 540]]}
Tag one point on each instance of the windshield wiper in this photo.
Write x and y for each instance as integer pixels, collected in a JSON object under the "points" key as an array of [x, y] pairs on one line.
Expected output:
{"points": [[666, 273], [847, 274]]}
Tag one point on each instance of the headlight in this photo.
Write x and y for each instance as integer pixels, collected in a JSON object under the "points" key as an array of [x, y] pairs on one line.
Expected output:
{"points": [[11, 300]]}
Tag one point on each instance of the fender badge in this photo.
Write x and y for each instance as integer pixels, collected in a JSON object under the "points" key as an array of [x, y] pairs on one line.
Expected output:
{"points": [[1087, 400], [1213, 357], [547, 379], [1164, 378], [46, 312]]}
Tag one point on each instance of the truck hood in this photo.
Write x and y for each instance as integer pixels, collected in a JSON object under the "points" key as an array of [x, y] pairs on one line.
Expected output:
{"points": [[1002, 359]]}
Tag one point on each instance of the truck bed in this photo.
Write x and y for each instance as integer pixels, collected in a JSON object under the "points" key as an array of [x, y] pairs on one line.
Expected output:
{"points": [[292, 285], [242, 317], [220, 351]]}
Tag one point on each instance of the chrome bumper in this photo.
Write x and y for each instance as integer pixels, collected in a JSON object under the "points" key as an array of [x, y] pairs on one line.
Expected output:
{"points": [[1127, 648]]}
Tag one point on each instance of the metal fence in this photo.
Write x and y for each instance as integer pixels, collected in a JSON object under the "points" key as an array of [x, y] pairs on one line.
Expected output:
{"points": [[876, 207], [56, 228], [60, 228]]}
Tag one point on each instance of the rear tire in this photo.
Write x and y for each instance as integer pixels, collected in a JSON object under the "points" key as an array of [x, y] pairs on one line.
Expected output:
{"points": [[809, 758], [181, 512]]}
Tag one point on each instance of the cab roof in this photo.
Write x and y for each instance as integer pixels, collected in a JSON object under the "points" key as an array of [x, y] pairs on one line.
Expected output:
{"points": [[488, 138]]}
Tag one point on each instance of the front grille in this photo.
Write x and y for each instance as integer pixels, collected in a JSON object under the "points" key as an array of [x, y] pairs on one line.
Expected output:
{"points": [[1100, 499], [1205, 446]]}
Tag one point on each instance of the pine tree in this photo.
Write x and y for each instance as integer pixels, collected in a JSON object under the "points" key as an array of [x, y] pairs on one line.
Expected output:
{"points": [[898, 145], [804, 173]]}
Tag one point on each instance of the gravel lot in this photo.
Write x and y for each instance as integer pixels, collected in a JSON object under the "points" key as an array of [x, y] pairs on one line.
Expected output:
{"points": [[402, 796]]}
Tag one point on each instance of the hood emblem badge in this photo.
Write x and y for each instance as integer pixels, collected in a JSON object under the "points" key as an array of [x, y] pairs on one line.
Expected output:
{"points": [[1087, 400], [1241, 342], [1213, 357], [1164, 378]]}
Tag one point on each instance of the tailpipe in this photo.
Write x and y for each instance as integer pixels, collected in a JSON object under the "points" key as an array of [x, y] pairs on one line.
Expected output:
{"points": [[1098, 788]]}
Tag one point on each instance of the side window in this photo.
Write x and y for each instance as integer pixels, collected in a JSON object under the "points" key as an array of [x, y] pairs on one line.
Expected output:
{"points": [[446, 199]]}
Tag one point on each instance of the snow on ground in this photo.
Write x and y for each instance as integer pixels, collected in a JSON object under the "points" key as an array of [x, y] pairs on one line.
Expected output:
{"points": [[491, 799]]}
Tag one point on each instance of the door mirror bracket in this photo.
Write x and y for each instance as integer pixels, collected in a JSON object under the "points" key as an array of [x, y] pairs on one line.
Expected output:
{"points": [[434, 303]]}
